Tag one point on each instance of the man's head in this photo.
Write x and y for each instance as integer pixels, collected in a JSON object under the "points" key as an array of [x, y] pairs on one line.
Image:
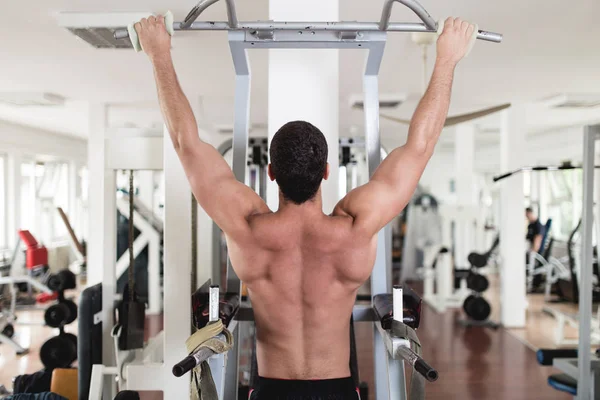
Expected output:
{"points": [[530, 215], [298, 161]]}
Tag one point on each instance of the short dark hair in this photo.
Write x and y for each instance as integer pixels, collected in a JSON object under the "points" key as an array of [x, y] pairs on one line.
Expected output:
{"points": [[298, 160], [529, 210]]}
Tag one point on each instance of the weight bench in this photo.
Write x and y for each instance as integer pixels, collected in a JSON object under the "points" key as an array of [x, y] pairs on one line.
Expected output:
{"points": [[565, 359]]}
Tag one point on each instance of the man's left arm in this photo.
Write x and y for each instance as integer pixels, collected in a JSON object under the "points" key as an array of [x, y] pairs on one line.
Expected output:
{"points": [[228, 202]]}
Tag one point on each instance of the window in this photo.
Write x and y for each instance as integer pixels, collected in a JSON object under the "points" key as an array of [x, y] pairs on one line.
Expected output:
{"points": [[562, 197], [29, 171], [44, 187]]}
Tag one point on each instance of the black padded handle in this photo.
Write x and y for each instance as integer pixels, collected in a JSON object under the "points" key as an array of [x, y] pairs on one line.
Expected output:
{"points": [[184, 366], [426, 370], [547, 356]]}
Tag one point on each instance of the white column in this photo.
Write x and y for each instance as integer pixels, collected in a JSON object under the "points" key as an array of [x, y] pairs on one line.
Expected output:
{"points": [[177, 287], [512, 225], [101, 249], [13, 197], [304, 85], [464, 154], [97, 191]]}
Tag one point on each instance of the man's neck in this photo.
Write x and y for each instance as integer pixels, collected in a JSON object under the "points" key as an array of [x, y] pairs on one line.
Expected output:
{"points": [[313, 206]]}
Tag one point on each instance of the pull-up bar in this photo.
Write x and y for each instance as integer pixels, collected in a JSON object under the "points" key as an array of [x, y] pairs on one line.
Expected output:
{"points": [[428, 25], [563, 167]]}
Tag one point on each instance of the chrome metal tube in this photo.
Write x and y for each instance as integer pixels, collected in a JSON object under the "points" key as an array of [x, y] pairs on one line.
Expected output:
{"points": [[232, 13], [414, 5], [310, 26], [203, 5], [418, 363]]}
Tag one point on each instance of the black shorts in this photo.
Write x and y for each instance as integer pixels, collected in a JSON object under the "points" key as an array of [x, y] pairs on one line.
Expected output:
{"points": [[328, 389]]}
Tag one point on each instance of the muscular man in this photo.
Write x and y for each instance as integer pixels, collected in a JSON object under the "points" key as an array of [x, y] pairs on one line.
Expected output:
{"points": [[303, 268]]}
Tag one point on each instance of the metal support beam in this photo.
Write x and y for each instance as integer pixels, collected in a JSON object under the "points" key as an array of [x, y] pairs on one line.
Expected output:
{"points": [[584, 383]]}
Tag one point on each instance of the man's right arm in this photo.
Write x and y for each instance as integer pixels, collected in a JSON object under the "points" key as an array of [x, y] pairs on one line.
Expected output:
{"points": [[376, 203]]}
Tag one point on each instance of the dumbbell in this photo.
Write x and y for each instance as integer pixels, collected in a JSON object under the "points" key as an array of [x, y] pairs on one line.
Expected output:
{"points": [[61, 314], [64, 280], [59, 351]]}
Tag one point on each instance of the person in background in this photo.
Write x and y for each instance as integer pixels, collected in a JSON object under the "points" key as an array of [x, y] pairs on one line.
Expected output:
{"points": [[535, 230]]}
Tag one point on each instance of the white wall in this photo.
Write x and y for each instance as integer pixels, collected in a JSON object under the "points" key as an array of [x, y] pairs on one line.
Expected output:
{"points": [[31, 141]]}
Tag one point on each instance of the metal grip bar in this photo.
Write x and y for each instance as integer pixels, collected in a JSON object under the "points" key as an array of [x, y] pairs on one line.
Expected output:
{"points": [[203, 5], [429, 22], [309, 27], [414, 5], [191, 361], [418, 363]]}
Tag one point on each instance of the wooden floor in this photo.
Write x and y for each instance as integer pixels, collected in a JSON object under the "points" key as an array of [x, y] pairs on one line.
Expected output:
{"points": [[473, 363]]}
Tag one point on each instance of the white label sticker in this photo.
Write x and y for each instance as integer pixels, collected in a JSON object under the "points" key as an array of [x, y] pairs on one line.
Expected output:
{"points": [[97, 318]]}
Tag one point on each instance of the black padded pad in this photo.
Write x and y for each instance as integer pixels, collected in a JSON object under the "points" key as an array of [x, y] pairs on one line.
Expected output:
{"points": [[89, 343], [546, 356], [229, 305], [564, 383], [383, 304]]}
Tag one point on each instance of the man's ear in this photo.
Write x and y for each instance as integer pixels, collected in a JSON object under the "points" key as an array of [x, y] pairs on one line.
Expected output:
{"points": [[326, 176], [270, 173]]}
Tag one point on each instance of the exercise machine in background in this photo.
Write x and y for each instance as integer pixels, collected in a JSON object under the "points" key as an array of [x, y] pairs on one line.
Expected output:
{"points": [[582, 368]]}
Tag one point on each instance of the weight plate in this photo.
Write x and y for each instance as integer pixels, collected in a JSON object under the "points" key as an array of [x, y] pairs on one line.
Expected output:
{"points": [[72, 311], [54, 283], [56, 315], [479, 309], [467, 301], [57, 352]]}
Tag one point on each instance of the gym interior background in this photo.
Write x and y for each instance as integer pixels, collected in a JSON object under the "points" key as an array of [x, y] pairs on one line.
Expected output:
{"points": [[71, 110]]}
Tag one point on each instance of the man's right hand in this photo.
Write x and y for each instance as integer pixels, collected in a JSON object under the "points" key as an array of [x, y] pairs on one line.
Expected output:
{"points": [[154, 38], [453, 43]]}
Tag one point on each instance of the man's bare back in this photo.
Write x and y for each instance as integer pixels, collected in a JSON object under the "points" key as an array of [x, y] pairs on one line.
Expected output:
{"points": [[303, 268], [303, 275]]}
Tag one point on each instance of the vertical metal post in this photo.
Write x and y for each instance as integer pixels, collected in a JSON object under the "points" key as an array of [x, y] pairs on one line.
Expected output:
{"points": [[262, 182], [240, 125], [379, 277], [584, 383], [240, 156]]}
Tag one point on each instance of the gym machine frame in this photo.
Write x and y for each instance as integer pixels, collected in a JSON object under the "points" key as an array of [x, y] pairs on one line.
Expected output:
{"points": [[584, 368], [389, 350]]}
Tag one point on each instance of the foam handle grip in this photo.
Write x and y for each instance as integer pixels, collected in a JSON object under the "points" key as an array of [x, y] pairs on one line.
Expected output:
{"points": [[426, 370], [135, 40]]}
